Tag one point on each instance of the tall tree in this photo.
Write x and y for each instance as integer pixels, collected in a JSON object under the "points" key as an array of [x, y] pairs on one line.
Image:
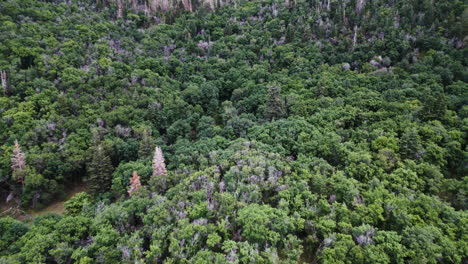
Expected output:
{"points": [[146, 145], [119, 9], [275, 105], [159, 167], [134, 183], [100, 171], [3, 77], [410, 144], [18, 163]]}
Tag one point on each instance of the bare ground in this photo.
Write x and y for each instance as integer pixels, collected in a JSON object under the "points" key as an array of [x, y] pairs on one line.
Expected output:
{"points": [[55, 207]]}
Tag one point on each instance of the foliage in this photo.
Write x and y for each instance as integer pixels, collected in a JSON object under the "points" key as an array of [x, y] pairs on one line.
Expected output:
{"points": [[256, 131]]}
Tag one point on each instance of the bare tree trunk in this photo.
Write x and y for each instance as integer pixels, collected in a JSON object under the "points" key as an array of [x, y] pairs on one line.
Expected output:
{"points": [[119, 8], [3, 76], [355, 37], [36, 197], [344, 14], [396, 21], [187, 5], [359, 5]]}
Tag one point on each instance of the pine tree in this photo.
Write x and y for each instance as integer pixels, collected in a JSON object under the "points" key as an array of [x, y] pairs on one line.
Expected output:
{"points": [[410, 145], [134, 183], [100, 171], [275, 104], [18, 163], [146, 145], [159, 167], [434, 107]]}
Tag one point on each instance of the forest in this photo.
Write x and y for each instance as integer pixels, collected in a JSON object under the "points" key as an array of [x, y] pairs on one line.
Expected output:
{"points": [[234, 131]]}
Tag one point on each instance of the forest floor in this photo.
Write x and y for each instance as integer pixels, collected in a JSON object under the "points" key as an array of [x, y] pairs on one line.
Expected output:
{"points": [[56, 207]]}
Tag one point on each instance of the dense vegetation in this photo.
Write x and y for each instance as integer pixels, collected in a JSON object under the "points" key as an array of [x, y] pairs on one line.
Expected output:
{"points": [[291, 131]]}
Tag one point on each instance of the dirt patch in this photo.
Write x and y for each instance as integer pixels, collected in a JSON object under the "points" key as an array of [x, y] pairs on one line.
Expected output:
{"points": [[55, 207]]}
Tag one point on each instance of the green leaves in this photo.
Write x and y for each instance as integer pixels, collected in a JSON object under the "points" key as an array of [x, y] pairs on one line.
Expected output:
{"points": [[74, 206], [263, 224], [288, 138], [100, 170], [11, 231], [123, 173]]}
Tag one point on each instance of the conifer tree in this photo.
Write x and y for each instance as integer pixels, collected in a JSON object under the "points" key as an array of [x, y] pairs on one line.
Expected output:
{"points": [[275, 105], [18, 163], [159, 167], [134, 183], [100, 171], [158, 180], [410, 144], [146, 145]]}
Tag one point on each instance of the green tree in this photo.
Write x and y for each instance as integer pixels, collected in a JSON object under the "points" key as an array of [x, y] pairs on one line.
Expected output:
{"points": [[100, 170], [410, 144], [264, 224], [146, 145], [11, 230], [275, 105], [74, 205]]}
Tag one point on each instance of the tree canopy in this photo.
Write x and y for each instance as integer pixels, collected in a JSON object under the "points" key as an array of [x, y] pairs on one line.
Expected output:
{"points": [[237, 131]]}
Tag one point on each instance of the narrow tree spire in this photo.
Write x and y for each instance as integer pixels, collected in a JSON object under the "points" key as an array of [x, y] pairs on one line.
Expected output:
{"points": [[18, 163], [146, 145], [134, 183], [159, 167], [275, 105], [100, 171]]}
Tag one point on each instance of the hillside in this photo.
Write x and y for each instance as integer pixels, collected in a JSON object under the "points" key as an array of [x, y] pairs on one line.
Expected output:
{"points": [[234, 131]]}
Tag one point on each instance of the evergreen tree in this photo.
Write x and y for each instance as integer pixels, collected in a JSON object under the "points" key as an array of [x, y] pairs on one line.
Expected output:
{"points": [[410, 145], [100, 171], [275, 105], [146, 145], [434, 107]]}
